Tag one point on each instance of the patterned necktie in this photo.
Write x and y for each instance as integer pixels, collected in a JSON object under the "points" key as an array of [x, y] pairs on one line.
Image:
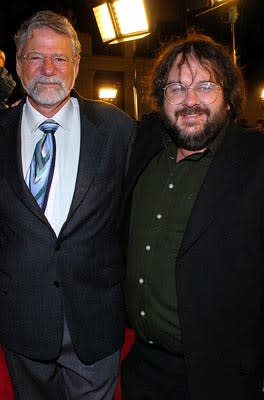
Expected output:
{"points": [[40, 172]]}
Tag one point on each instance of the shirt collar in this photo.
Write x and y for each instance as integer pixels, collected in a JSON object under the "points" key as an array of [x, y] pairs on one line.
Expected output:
{"points": [[63, 116]]}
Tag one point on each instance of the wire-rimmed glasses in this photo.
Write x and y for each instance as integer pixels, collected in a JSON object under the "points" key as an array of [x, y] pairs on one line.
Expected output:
{"points": [[206, 92], [35, 59]]}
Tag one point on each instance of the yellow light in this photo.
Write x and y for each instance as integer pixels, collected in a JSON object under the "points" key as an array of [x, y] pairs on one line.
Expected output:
{"points": [[131, 16], [262, 94], [122, 20], [107, 93], [104, 22]]}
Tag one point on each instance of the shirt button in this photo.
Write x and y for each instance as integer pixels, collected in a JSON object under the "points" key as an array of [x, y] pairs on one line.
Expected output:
{"points": [[171, 186], [56, 284], [148, 247], [142, 313], [141, 281], [158, 216]]}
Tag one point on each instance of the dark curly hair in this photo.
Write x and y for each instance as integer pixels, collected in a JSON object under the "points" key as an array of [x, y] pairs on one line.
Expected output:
{"points": [[212, 56]]}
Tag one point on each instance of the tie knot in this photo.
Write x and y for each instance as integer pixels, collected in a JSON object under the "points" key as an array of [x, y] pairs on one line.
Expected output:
{"points": [[49, 126]]}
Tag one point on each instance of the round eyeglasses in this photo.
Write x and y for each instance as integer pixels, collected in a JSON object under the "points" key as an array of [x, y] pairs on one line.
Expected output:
{"points": [[206, 92]]}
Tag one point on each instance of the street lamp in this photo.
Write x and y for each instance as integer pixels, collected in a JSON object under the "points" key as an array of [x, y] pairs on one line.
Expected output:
{"points": [[262, 95], [261, 98], [121, 21], [232, 16]]}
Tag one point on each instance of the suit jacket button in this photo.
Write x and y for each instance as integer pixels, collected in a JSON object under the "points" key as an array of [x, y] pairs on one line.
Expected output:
{"points": [[56, 283]]}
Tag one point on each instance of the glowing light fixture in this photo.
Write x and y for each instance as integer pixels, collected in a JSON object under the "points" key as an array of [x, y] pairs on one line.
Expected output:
{"points": [[262, 94], [107, 93], [122, 20]]}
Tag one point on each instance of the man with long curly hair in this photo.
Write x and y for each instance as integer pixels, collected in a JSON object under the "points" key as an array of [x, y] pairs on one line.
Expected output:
{"points": [[195, 259]]}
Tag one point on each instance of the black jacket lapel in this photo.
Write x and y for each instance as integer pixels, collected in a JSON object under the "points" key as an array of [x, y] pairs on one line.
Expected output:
{"points": [[226, 171], [13, 172]]}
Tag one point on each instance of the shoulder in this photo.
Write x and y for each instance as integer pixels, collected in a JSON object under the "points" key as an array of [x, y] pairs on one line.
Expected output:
{"points": [[152, 121], [107, 120], [244, 146], [150, 131], [101, 112], [249, 137], [244, 135], [148, 142]]}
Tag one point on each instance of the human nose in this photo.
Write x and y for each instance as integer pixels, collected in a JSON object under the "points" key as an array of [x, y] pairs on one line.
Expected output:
{"points": [[191, 97], [48, 66]]}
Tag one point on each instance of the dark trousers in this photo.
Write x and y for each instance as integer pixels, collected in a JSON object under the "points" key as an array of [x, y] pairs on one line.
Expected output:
{"points": [[149, 373], [65, 378]]}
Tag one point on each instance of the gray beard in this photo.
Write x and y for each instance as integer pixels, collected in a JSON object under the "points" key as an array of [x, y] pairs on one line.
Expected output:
{"points": [[199, 140], [55, 97]]}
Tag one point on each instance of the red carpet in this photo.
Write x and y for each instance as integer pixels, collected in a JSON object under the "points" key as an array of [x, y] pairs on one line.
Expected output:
{"points": [[6, 392], [129, 339]]}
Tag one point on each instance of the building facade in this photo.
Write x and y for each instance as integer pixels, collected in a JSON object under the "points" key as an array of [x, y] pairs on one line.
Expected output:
{"points": [[125, 72]]}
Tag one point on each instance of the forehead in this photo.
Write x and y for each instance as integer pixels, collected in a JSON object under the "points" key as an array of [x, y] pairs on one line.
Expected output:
{"points": [[45, 38], [190, 68]]}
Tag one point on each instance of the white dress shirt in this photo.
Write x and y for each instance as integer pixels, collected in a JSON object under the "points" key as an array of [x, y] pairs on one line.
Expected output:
{"points": [[67, 138]]}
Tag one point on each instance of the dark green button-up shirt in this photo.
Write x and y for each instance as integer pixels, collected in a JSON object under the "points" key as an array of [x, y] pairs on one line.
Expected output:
{"points": [[162, 203]]}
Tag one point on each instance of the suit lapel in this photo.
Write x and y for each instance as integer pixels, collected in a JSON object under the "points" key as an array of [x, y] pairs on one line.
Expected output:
{"points": [[13, 170], [224, 179], [93, 141]]}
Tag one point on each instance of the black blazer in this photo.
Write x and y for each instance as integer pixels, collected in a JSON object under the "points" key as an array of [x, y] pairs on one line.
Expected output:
{"points": [[80, 272], [220, 267]]}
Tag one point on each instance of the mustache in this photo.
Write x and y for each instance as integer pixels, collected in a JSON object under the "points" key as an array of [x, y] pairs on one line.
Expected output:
{"points": [[192, 110], [45, 79]]}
